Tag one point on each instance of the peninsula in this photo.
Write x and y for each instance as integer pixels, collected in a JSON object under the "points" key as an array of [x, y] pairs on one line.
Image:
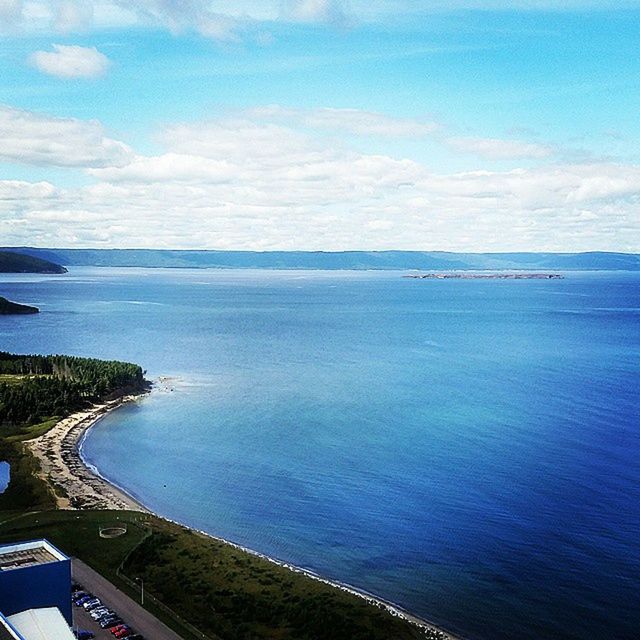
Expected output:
{"points": [[12, 262], [8, 308]]}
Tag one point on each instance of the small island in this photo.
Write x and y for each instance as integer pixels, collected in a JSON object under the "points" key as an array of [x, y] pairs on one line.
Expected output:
{"points": [[485, 276], [8, 308]]}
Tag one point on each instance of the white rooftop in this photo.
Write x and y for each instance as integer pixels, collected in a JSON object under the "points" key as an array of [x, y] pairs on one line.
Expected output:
{"points": [[7, 632], [41, 624]]}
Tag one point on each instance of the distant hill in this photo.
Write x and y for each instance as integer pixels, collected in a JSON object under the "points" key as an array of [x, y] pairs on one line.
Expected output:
{"points": [[12, 262], [8, 308], [401, 260]]}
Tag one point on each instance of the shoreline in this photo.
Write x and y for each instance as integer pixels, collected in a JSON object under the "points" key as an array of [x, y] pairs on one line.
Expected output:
{"points": [[64, 468]]}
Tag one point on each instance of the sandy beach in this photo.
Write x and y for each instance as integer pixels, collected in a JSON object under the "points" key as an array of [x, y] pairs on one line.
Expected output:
{"points": [[79, 487]]}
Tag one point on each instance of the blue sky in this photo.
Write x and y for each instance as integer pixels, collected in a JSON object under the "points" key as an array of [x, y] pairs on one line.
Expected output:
{"points": [[320, 124]]}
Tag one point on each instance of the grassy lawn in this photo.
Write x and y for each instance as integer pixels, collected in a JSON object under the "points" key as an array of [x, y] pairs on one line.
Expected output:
{"points": [[31, 431], [17, 378], [8, 378]]}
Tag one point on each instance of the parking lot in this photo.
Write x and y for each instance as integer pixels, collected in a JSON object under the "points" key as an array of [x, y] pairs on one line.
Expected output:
{"points": [[82, 620], [130, 611]]}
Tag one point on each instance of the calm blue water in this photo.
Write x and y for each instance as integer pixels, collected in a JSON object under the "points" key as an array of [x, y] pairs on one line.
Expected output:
{"points": [[468, 449]]}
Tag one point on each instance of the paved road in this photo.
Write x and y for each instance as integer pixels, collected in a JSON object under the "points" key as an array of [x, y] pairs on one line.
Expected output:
{"points": [[129, 610]]}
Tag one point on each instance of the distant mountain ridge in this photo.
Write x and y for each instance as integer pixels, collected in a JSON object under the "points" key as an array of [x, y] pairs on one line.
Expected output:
{"points": [[24, 262], [360, 260]]}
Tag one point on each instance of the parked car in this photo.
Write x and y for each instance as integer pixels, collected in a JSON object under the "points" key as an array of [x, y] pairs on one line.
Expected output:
{"points": [[123, 633], [110, 622], [99, 615], [118, 628], [83, 634]]}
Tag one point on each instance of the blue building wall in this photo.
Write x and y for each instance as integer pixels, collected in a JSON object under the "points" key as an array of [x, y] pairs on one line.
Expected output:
{"points": [[43, 585]]}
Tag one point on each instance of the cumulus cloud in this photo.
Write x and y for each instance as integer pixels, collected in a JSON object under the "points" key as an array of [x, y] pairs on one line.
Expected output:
{"points": [[499, 149], [237, 183], [71, 61], [353, 121], [38, 139]]}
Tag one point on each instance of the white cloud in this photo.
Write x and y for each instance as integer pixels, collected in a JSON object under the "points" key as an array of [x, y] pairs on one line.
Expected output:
{"points": [[184, 15], [499, 149], [238, 138], [71, 61], [225, 21], [10, 11], [354, 121], [72, 15], [315, 11], [38, 139], [64, 16], [237, 183]]}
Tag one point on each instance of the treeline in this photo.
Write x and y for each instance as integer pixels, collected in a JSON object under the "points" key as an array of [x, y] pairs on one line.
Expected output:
{"points": [[46, 386]]}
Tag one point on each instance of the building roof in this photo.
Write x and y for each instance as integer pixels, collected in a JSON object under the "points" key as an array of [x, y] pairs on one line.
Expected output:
{"points": [[41, 624], [7, 632], [28, 554]]}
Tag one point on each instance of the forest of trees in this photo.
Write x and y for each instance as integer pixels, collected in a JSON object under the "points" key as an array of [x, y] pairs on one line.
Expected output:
{"points": [[37, 387]]}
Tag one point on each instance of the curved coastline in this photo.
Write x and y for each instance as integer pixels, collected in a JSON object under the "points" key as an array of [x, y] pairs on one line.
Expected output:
{"points": [[75, 485], [86, 488]]}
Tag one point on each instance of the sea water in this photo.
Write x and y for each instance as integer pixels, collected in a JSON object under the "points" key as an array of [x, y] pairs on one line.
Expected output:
{"points": [[468, 449]]}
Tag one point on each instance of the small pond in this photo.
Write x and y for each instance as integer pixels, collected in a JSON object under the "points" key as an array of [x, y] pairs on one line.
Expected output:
{"points": [[4, 475]]}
